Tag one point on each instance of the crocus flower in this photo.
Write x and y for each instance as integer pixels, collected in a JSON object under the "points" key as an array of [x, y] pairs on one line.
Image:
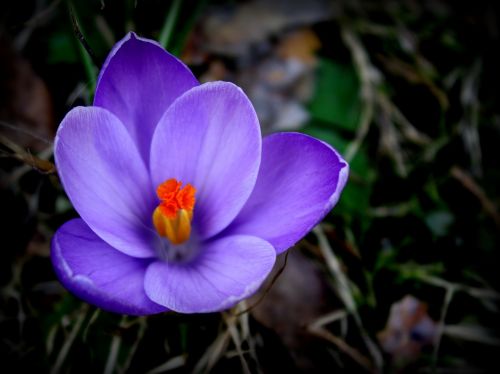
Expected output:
{"points": [[183, 206]]}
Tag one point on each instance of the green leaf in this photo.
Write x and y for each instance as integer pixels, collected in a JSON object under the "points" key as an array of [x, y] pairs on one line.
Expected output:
{"points": [[61, 49], [336, 98], [439, 222]]}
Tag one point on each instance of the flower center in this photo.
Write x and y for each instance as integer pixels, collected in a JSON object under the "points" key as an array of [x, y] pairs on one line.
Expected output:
{"points": [[172, 217]]}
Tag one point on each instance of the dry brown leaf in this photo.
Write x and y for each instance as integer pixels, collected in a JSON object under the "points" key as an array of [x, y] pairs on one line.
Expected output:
{"points": [[297, 298], [301, 44], [26, 111], [409, 328]]}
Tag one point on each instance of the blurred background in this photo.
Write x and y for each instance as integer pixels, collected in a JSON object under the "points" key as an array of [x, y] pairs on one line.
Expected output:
{"points": [[400, 276]]}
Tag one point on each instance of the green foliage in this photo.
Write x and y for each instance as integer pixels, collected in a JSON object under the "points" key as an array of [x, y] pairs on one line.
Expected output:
{"points": [[336, 98], [62, 49]]}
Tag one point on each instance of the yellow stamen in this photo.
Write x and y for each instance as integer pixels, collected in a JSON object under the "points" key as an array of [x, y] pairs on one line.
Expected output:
{"points": [[172, 218]]}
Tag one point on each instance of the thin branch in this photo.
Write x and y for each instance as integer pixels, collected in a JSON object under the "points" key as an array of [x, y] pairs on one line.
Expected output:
{"points": [[469, 183], [268, 288], [20, 154], [63, 353], [359, 358], [79, 35], [450, 291]]}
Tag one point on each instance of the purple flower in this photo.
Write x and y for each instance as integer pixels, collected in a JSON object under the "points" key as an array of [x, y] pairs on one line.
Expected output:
{"points": [[183, 206]]}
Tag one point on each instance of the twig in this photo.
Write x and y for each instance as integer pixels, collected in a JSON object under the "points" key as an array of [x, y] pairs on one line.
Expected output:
{"points": [[268, 288], [63, 353], [344, 291], [79, 35], [173, 363], [362, 360], [114, 349], [26, 157], [469, 123], [368, 75], [450, 291], [140, 334], [469, 183], [328, 318], [213, 353], [19, 129], [414, 75], [90, 61], [233, 331], [473, 291], [471, 333]]}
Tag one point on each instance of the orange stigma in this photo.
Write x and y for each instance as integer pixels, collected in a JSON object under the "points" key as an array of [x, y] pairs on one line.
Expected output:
{"points": [[172, 218]]}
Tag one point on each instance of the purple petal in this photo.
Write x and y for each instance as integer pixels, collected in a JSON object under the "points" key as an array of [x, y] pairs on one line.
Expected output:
{"points": [[138, 82], [226, 271], [106, 179], [210, 137], [99, 274], [300, 180]]}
